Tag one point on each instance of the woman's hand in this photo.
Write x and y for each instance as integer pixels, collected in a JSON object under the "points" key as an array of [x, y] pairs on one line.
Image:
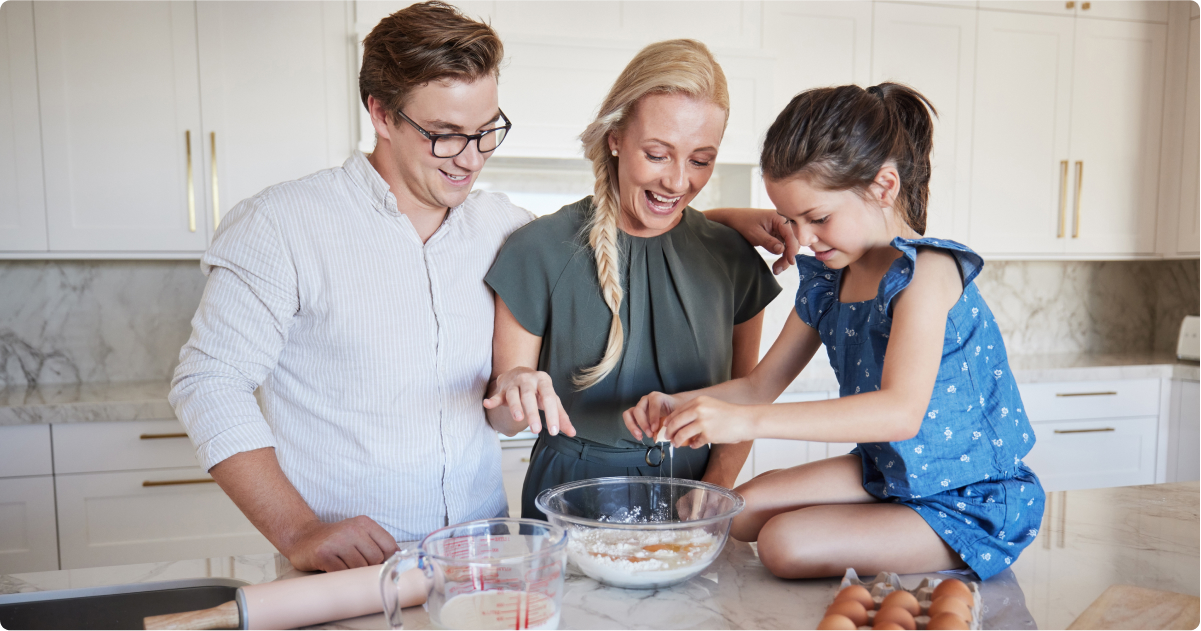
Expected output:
{"points": [[644, 419], [526, 391], [706, 420], [761, 228]]}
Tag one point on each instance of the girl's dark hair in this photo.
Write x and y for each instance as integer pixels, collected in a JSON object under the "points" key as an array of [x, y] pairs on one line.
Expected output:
{"points": [[840, 137]]}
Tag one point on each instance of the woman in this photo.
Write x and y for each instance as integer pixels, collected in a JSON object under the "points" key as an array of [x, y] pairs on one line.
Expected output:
{"points": [[629, 290]]}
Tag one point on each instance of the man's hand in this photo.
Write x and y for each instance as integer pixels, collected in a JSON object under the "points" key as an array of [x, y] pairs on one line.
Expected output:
{"points": [[526, 391], [350, 543], [761, 228]]}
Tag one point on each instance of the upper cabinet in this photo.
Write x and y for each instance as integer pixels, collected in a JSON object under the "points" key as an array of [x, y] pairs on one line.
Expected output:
{"points": [[1188, 233], [1067, 130], [22, 205], [1143, 10]]}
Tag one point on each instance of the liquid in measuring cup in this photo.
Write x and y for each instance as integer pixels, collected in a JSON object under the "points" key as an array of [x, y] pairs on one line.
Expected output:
{"points": [[500, 609]]}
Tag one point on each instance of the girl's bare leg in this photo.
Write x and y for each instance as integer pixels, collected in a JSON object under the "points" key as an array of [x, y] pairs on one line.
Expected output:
{"points": [[822, 541], [835, 480]]}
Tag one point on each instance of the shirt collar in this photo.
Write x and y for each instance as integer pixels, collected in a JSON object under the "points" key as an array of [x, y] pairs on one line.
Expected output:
{"points": [[364, 175]]}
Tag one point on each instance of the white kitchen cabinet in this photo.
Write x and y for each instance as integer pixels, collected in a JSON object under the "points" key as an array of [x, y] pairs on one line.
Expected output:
{"points": [[1184, 433], [1148, 11], [933, 49], [817, 44], [120, 110], [149, 516], [121, 446], [22, 200], [768, 454], [1188, 208], [514, 462], [25, 451], [28, 541]]}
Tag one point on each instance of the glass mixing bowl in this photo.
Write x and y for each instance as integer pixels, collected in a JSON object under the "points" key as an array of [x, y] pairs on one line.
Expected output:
{"points": [[641, 532]]}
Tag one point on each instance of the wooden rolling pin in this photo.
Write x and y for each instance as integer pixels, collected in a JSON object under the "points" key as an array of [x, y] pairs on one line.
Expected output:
{"points": [[299, 602]]}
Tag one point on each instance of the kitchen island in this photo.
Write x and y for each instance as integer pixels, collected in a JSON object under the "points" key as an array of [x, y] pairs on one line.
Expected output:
{"points": [[1142, 535]]}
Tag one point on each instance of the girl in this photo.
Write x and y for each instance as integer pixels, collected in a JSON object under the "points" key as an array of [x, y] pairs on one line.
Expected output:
{"points": [[936, 480]]}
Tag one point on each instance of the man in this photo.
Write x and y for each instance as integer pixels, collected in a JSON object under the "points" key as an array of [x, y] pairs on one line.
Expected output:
{"points": [[353, 301]]}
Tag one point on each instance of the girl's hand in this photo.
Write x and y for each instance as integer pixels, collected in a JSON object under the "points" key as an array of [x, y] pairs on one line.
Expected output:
{"points": [[526, 391], [763, 228], [645, 419], [708, 420]]}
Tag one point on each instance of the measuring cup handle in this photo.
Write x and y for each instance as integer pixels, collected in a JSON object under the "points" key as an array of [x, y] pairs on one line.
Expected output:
{"points": [[389, 583]]}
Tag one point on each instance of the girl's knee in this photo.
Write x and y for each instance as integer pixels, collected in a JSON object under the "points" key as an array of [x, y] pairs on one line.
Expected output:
{"points": [[787, 551]]}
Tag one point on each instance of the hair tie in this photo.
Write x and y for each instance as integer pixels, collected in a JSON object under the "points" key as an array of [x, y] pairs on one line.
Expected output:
{"points": [[876, 91]]}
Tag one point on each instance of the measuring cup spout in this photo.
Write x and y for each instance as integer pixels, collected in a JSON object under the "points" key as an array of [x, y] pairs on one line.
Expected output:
{"points": [[403, 563]]}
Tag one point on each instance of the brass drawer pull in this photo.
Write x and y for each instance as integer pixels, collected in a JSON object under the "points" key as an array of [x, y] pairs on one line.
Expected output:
{"points": [[1083, 431], [525, 459], [1063, 198], [213, 171], [177, 482], [1079, 187], [157, 436], [187, 139], [1086, 394]]}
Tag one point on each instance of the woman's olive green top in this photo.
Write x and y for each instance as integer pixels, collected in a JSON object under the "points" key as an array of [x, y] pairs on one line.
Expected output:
{"points": [[684, 292]]}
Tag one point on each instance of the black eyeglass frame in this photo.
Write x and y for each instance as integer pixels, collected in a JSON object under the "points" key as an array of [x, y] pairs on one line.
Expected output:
{"points": [[434, 138]]}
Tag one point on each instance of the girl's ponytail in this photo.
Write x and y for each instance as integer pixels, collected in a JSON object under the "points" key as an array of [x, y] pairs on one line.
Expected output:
{"points": [[842, 136]]}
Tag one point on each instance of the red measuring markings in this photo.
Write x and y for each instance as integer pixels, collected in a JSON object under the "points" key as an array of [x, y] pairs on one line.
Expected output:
{"points": [[523, 610]]}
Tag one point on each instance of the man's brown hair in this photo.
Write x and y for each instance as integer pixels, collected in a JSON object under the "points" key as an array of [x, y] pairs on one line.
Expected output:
{"points": [[425, 42]]}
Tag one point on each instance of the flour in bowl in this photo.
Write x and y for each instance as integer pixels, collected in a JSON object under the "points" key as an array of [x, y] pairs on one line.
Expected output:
{"points": [[640, 558]]}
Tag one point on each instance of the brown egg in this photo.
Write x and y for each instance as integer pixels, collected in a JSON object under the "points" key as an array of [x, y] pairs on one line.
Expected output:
{"points": [[859, 594], [904, 600], [947, 620], [837, 622], [851, 609], [889, 626], [956, 588], [950, 604], [895, 615]]}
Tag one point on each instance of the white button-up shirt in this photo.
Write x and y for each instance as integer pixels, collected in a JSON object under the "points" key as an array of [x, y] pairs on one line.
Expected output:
{"points": [[370, 350]]}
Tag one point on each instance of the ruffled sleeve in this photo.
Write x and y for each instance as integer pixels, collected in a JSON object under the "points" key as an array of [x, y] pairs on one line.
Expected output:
{"points": [[816, 291], [901, 272]]}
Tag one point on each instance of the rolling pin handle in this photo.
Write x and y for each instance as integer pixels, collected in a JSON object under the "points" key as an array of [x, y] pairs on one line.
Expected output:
{"points": [[220, 617]]}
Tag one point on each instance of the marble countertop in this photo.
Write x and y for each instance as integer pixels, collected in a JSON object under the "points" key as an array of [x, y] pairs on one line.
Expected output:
{"points": [[147, 400], [1144, 535]]}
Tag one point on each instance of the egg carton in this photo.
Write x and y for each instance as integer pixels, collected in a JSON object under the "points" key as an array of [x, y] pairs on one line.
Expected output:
{"points": [[886, 583]]}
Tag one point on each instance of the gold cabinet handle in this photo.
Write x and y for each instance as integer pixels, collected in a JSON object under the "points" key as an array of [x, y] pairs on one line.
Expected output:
{"points": [[158, 436], [187, 140], [1085, 6], [1086, 394], [177, 482], [1079, 186], [213, 170], [1071, 5], [1084, 431], [1063, 197]]}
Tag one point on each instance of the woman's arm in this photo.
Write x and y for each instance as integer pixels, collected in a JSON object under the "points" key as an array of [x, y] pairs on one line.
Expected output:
{"points": [[726, 461], [893, 413], [762, 228], [517, 389]]}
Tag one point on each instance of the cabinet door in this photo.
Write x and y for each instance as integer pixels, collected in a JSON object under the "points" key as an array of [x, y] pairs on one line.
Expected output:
{"points": [[116, 519], [817, 44], [1142, 10], [22, 201], [1188, 233], [1117, 106], [120, 113], [1020, 133], [275, 97], [1097, 453], [933, 49], [28, 539]]}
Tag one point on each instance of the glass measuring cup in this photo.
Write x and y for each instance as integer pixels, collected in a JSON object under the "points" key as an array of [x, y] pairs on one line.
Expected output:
{"points": [[487, 574]]}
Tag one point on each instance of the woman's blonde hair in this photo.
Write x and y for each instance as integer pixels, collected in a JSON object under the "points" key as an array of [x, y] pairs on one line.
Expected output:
{"points": [[678, 66]]}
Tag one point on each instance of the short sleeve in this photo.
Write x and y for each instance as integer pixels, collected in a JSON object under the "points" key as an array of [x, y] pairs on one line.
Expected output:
{"points": [[900, 274], [816, 291], [527, 269], [758, 286]]}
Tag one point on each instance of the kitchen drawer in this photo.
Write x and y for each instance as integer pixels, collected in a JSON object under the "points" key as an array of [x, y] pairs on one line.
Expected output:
{"points": [[28, 541], [25, 450], [124, 446], [115, 519], [1094, 453], [1070, 400]]}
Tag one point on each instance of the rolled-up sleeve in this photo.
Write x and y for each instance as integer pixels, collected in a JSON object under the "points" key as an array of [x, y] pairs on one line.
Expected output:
{"points": [[238, 333]]}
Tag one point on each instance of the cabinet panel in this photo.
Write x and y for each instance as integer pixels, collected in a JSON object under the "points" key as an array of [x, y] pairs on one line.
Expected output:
{"points": [[817, 44], [121, 446], [282, 117], [25, 450], [22, 201], [717, 24], [933, 49], [1020, 133], [514, 461], [112, 519], [119, 91], [1186, 430], [1147, 11], [1188, 233], [1097, 453], [28, 541], [1090, 399], [1117, 106]]}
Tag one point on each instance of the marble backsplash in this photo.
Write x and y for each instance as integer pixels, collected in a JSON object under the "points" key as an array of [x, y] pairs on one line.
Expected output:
{"points": [[107, 321]]}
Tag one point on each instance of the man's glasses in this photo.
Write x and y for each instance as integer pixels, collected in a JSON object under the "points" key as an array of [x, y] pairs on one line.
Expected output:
{"points": [[451, 145]]}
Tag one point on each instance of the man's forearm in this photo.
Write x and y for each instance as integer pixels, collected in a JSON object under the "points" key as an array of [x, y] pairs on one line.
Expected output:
{"points": [[257, 484]]}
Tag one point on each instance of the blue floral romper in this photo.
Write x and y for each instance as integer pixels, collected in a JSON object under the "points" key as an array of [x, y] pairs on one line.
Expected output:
{"points": [[963, 472]]}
